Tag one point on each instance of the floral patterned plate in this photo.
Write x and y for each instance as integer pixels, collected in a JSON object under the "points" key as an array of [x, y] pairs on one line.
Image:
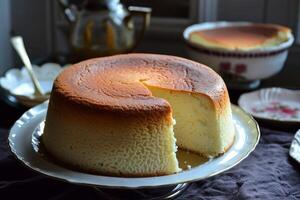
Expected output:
{"points": [[276, 104]]}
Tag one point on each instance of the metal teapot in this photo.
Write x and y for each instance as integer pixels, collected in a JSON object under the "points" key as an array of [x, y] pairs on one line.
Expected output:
{"points": [[103, 27]]}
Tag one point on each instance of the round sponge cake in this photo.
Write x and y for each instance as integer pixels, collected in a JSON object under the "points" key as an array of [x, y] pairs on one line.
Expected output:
{"points": [[116, 115]]}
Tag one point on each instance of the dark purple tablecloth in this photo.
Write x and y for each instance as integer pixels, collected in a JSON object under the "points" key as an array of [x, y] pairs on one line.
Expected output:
{"points": [[268, 173]]}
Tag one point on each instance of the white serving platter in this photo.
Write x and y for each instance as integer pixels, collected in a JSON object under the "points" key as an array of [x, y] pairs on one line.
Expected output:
{"points": [[22, 140]]}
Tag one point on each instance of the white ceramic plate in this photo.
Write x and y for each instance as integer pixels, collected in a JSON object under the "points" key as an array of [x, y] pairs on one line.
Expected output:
{"points": [[275, 104], [20, 141]]}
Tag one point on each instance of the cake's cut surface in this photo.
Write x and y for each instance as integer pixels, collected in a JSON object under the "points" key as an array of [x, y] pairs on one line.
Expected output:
{"points": [[114, 115], [247, 37]]}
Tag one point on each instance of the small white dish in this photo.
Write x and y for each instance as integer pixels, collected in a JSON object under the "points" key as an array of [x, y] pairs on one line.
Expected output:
{"points": [[18, 85], [275, 104], [23, 140], [295, 147]]}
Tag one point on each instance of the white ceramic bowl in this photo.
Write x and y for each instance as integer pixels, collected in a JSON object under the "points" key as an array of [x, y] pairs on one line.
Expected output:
{"points": [[249, 65], [19, 88]]}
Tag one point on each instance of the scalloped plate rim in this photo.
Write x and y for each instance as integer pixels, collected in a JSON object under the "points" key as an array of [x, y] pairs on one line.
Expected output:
{"points": [[25, 126]]}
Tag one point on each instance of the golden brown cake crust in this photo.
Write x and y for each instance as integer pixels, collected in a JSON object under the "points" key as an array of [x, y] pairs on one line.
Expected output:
{"points": [[58, 161], [241, 36], [116, 83]]}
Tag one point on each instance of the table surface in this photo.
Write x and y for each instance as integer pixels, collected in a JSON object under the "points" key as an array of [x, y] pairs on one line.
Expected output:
{"points": [[268, 173]]}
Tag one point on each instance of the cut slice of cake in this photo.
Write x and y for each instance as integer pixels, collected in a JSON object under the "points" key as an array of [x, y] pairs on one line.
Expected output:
{"points": [[200, 126]]}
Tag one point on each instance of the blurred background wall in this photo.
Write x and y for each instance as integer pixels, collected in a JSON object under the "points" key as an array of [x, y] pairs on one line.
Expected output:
{"points": [[5, 26]]}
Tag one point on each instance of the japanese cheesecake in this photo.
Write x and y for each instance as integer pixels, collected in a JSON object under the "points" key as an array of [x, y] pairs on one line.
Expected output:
{"points": [[241, 37], [125, 115]]}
